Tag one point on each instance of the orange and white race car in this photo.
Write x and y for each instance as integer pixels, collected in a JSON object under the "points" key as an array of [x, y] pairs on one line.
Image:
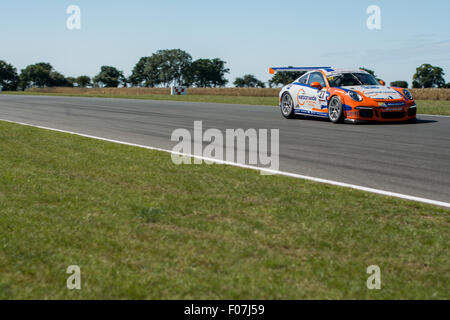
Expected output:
{"points": [[340, 94]]}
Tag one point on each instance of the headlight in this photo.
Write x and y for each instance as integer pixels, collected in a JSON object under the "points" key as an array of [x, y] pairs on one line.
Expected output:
{"points": [[355, 96], [407, 94]]}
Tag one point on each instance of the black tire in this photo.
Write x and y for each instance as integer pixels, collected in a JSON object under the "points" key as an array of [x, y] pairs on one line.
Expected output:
{"points": [[287, 106], [335, 110]]}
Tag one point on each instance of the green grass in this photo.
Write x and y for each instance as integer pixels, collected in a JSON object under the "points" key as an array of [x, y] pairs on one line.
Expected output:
{"points": [[439, 107], [142, 227]]}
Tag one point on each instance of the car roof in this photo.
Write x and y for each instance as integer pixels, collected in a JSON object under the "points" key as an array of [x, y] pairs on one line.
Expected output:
{"points": [[329, 71]]}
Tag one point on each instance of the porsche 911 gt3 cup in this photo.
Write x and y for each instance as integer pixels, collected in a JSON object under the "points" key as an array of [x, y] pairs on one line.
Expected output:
{"points": [[340, 94]]}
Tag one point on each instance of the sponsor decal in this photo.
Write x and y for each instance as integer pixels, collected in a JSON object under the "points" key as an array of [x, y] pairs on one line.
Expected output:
{"points": [[376, 92], [394, 104], [370, 87], [383, 94], [393, 109], [313, 113], [303, 99]]}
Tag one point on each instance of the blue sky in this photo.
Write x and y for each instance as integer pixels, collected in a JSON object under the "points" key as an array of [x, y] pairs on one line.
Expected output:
{"points": [[250, 35]]}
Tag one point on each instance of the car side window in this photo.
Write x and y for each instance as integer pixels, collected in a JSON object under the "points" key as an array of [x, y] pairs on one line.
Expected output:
{"points": [[317, 77], [303, 79]]}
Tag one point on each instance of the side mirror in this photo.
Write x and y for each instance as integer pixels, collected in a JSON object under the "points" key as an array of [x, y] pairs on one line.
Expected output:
{"points": [[316, 85], [382, 82]]}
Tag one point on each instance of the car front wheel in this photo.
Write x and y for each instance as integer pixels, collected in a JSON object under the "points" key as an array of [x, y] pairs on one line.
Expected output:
{"points": [[335, 110]]}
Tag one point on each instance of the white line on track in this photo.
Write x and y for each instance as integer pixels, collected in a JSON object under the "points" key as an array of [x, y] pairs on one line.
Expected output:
{"points": [[432, 115], [267, 171]]}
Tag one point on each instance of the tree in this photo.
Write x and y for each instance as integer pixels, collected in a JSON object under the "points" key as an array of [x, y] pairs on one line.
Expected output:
{"points": [[217, 73], [71, 81], [399, 84], [248, 81], [109, 77], [447, 85], [369, 71], [83, 81], [36, 75], [283, 78], [428, 76], [146, 72], [138, 76], [58, 80], [416, 84], [173, 65], [206, 73], [165, 67], [9, 79], [42, 75]]}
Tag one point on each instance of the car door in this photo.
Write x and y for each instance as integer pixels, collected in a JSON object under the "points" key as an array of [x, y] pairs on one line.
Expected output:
{"points": [[314, 97], [298, 92]]}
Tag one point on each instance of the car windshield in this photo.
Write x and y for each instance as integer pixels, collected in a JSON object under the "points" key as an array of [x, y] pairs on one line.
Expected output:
{"points": [[352, 79]]}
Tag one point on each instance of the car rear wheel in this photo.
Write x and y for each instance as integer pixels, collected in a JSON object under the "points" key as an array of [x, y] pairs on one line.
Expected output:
{"points": [[335, 110], [287, 106]]}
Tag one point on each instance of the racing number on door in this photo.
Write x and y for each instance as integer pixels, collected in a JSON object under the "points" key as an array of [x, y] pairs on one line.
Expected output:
{"points": [[322, 95]]}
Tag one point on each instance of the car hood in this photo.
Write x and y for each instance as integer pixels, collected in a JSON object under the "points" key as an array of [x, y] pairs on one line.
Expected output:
{"points": [[377, 92]]}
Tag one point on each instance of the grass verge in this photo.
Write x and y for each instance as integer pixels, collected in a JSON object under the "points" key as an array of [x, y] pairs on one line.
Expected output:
{"points": [[438, 107], [142, 227]]}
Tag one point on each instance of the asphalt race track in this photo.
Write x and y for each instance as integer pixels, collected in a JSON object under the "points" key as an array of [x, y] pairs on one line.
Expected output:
{"points": [[412, 159]]}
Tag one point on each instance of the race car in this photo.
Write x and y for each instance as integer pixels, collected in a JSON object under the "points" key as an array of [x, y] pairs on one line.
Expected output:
{"points": [[344, 94]]}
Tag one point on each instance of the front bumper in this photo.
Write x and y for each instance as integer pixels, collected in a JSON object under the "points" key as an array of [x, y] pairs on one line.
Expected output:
{"points": [[384, 114]]}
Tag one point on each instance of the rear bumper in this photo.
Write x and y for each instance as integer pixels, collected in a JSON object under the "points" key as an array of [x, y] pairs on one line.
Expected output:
{"points": [[382, 114]]}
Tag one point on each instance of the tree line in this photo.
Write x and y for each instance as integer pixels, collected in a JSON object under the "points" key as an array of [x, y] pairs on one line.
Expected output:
{"points": [[174, 67], [162, 69]]}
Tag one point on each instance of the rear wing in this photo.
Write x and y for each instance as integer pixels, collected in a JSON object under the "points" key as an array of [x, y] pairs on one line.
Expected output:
{"points": [[296, 69]]}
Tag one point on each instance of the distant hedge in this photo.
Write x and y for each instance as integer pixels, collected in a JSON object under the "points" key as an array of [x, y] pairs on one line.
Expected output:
{"points": [[399, 84]]}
